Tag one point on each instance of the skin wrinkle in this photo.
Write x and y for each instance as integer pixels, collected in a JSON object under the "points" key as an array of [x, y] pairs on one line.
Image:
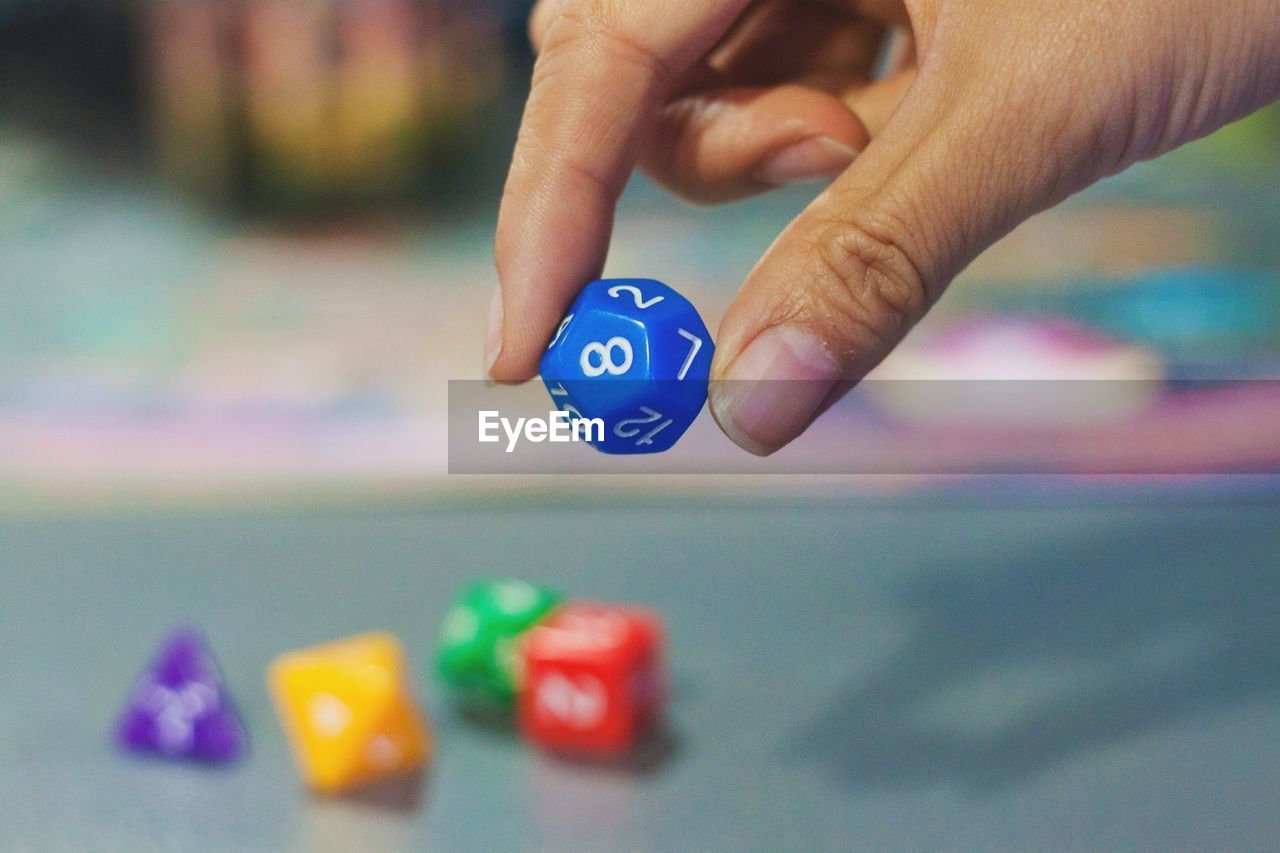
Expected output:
{"points": [[875, 284], [1180, 95], [1267, 76], [1198, 108], [914, 193], [838, 238], [611, 44], [1137, 128], [1262, 76], [946, 244], [1028, 172], [1236, 80], [571, 135]]}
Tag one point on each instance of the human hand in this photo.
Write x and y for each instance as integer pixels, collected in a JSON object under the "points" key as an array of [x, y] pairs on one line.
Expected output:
{"points": [[991, 111]]}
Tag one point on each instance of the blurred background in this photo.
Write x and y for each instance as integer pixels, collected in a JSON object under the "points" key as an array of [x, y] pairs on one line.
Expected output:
{"points": [[245, 243]]}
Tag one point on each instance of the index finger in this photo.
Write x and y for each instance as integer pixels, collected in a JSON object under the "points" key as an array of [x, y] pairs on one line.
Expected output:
{"points": [[605, 68]]}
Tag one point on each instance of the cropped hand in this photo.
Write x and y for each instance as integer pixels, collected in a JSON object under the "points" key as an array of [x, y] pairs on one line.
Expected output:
{"points": [[988, 111]]}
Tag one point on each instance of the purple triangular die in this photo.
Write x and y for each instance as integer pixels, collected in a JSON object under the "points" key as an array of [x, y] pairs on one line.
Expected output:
{"points": [[179, 707]]}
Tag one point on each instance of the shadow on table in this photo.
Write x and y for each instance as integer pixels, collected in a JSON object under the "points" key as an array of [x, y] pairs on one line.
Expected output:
{"points": [[653, 752], [402, 793], [1026, 659]]}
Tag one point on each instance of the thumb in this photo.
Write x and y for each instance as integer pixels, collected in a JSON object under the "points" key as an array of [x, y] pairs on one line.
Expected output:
{"points": [[847, 279]]}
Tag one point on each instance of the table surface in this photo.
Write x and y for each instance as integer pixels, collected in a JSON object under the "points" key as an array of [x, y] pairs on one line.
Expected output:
{"points": [[981, 672]]}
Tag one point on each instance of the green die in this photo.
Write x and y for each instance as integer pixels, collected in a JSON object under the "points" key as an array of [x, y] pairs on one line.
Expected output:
{"points": [[477, 654]]}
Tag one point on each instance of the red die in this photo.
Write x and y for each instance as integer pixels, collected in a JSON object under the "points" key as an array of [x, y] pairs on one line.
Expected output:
{"points": [[593, 678]]}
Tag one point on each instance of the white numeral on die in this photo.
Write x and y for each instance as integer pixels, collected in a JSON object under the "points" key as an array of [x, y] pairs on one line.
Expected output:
{"points": [[605, 353], [617, 290], [564, 324], [693, 351], [580, 703], [627, 428]]}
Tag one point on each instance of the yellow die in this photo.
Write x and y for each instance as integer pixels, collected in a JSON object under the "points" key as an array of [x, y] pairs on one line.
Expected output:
{"points": [[347, 712]]}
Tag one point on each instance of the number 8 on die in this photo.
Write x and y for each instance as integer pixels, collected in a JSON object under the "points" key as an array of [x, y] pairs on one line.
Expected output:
{"points": [[636, 355]]}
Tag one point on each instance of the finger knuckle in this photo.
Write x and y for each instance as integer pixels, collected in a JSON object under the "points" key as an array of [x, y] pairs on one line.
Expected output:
{"points": [[591, 29], [868, 274]]}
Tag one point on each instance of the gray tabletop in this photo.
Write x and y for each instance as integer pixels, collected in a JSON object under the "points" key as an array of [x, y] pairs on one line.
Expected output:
{"points": [[940, 673]]}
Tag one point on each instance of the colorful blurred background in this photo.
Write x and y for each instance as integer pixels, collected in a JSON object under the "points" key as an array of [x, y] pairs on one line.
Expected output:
{"points": [[245, 249], [244, 244]]}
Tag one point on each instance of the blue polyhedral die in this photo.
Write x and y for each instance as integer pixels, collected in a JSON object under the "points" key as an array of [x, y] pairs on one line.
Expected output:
{"points": [[634, 354]]}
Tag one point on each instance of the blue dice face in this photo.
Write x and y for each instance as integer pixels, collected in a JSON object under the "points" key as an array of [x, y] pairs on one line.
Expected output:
{"points": [[635, 354]]}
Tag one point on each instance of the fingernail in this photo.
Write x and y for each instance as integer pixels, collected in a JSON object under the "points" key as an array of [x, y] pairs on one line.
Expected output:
{"points": [[816, 157], [773, 388], [493, 333]]}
